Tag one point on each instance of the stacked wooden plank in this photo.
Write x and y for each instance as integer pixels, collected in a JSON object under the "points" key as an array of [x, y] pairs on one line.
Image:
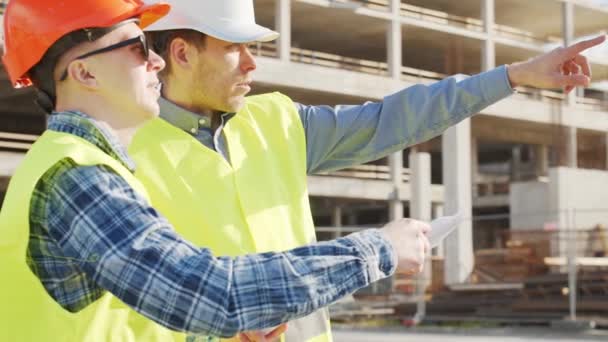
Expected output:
{"points": [[550, 293], [518, 261]]}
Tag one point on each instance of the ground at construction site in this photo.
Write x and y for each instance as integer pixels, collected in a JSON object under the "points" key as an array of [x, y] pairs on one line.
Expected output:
{"points": [[468, 335]]}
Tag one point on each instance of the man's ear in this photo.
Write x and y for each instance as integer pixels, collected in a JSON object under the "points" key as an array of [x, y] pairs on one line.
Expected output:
{"points": [[179, 53], [81, 73]]}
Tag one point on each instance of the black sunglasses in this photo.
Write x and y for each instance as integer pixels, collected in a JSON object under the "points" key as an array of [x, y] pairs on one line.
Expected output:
{"points": [[141, 39]]}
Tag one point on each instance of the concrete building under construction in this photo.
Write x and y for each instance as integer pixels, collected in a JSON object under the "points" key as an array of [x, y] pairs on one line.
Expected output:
{"points": [[535, 161]]}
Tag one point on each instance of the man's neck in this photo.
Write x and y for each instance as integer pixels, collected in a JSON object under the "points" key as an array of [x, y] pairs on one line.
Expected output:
{"points": [[175, 97], [116, 123], [125, 134]]}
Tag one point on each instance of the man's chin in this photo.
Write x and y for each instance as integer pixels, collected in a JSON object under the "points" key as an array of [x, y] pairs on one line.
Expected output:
{"points": [[152, 112]]}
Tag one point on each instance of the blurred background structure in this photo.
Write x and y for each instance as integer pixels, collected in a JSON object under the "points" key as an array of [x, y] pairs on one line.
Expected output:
{"points": [[529, 173]]}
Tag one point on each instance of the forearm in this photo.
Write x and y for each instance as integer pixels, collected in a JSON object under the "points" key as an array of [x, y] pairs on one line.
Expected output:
{"points": [[343, 136], [190, 290]]}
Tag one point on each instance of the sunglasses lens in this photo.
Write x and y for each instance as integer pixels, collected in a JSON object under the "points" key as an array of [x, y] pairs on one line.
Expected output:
{"points": [[145, 48]]}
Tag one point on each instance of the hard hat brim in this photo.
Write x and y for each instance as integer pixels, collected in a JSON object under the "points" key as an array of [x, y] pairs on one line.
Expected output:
{"points": [[149, 14], [232, 32], [245, 34]]}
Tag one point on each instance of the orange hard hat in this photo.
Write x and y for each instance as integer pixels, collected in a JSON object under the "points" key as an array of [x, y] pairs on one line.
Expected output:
{"points": [[31, 27]]}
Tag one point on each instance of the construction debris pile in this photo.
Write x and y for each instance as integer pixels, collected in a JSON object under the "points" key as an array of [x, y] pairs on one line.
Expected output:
{"points": [[517, 284]]}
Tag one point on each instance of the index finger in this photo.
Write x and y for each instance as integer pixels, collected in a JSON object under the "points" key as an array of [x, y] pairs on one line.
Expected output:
{"points": [[575, 49]]}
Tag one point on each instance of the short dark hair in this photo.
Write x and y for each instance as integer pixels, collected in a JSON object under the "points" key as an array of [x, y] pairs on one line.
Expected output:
{"points": [[160, 41]]}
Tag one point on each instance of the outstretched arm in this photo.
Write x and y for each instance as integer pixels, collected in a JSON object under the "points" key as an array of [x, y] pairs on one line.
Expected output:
{"points": [[342, 136]]}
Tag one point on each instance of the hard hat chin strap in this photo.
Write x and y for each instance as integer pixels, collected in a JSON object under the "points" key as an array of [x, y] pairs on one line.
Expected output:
{"points": [[45, 101]]}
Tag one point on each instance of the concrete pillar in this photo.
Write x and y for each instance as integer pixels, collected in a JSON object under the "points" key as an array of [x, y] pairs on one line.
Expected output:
{"points": [[488, 52], [568, 36], [516, 164], [606, 150], [420, 182], [336, 220], [394, 62], [456, 154], [580, 92], [541, 154], [571, 147], [474, 166], [283, 25], [351, 218], [396, 171], [488, 62], [393, 41], [420, 209]]}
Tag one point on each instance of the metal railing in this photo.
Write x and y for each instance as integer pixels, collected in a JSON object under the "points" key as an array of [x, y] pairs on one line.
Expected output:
{"points": [[443, 18], [378, 172]]}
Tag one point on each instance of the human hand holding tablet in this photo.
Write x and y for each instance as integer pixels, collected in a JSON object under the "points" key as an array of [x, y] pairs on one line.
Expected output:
{"points": [[442, 227]]}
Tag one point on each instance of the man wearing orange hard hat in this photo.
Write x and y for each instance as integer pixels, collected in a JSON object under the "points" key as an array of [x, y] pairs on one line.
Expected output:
{"points": [[83, 255]]}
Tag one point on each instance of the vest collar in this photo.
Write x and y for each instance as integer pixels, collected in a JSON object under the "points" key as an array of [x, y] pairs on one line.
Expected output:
{"points": [[93, 131]]}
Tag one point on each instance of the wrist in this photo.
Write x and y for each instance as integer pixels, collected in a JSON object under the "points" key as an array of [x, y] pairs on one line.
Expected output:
{"points": [[389, 251], [515, 74]]}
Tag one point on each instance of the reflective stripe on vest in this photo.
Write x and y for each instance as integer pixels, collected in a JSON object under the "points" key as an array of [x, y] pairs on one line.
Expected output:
{"points": [[27, 312], [256, 203]]}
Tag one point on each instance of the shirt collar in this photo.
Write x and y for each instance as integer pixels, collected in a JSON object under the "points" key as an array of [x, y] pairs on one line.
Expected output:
{"points": [[182, 118], [93, 131]]}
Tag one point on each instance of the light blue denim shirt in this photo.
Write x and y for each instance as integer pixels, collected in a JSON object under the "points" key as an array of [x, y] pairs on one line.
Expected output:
{"points": [[347, 135]]}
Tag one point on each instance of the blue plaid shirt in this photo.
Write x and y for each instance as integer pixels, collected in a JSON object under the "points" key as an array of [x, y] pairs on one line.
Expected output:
{"points": [[91, 233]]}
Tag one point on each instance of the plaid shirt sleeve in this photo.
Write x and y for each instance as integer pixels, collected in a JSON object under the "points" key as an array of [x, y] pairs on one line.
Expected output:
{"points": [[126, 247]]}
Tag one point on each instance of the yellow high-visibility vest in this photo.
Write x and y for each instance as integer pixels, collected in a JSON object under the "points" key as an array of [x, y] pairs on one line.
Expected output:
{"points": [[256, 203], [27, 312]]}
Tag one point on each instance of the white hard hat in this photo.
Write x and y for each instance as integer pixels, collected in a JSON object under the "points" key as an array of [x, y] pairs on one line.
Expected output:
{"points": [[229, 20]]}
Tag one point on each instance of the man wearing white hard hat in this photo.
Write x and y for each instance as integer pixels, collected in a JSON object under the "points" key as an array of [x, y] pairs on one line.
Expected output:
{"points": [[236, 166]]}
